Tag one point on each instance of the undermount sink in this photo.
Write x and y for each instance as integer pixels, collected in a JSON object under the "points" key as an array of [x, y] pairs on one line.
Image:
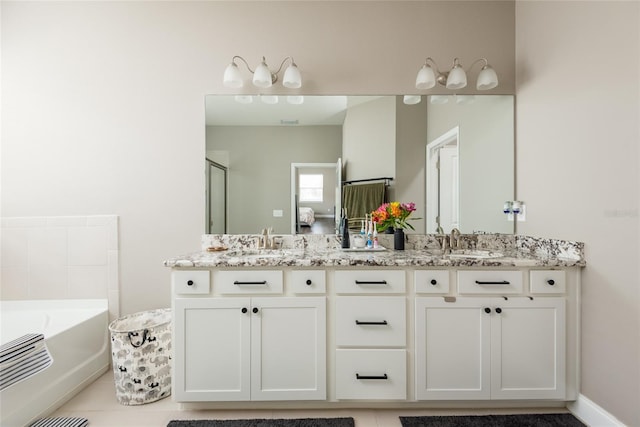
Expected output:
{"points": [[477, 254]]}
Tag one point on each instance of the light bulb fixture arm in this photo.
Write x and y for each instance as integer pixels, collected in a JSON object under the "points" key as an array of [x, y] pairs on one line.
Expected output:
{"points": [[431, 60], [246, 64], [476, 61]]}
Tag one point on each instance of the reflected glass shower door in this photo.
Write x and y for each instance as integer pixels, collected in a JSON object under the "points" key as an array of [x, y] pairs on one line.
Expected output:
{"points": [[216, 198]]}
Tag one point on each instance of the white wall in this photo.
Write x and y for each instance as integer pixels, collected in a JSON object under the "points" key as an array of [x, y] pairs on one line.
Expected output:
{"points": [[259, 169], [103, 102], [578, 133], [369, 139]]}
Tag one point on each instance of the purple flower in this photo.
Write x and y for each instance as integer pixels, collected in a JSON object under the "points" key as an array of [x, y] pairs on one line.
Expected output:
{"points": [[409, 206]]}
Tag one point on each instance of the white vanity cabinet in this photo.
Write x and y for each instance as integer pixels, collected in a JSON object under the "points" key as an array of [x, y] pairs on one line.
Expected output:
{"points": [[361, 335], [249, 348], [490, 348]]}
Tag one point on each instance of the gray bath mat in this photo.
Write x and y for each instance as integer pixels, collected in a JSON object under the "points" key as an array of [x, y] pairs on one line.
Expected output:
{"points": [[520, 420], [292, 422]]}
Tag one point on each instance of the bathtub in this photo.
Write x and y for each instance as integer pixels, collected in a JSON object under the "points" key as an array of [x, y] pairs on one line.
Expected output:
{"points": [[77, 336]]}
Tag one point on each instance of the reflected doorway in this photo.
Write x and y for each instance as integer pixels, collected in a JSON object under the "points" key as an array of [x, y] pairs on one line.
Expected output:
{"points": [[216, 198], [319, 214], [443, 189]]}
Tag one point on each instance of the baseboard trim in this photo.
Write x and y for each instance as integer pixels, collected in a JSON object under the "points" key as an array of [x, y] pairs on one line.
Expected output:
{"points": [[591, 414]]}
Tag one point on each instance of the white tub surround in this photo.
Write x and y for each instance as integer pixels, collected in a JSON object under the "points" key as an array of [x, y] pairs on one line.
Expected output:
{"points": [[60, 257], [324, 327]]}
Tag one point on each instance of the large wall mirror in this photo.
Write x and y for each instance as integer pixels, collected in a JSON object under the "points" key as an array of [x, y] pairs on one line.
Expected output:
{"points": [[451, 155]]}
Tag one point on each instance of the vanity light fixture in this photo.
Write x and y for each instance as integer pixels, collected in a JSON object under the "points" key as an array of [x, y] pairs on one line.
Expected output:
{"points": [[263, 77], [456, 78]]}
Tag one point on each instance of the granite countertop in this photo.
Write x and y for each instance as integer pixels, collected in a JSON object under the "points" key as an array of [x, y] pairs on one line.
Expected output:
{"points": [[341, 258]]}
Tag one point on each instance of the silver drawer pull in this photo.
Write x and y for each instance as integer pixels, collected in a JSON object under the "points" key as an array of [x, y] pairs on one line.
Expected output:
{"points": [[237, 282], [369, 282], [371, 377], [384, 322], [504, 282]]}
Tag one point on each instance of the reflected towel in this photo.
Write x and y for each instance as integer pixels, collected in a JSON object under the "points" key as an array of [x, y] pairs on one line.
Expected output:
{"points": [[362, 199]]}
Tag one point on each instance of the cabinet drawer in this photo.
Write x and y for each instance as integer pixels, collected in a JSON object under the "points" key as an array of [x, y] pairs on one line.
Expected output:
{"points": [[497, 282], [547, 281], [371, 374], [371, 321], [190, 281], [308, 281], [370, 282], [247, 282], [432, 281]]}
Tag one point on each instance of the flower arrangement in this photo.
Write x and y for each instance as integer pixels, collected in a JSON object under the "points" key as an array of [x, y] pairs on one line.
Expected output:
{"points": [[394, 214]]}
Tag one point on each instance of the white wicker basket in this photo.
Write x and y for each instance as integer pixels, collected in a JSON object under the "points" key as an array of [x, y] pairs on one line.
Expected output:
{"points": [[141, 353]]}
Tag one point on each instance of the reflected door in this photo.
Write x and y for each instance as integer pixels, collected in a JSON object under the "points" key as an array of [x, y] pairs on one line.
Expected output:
{"points": [[216, 198], [443, 183], [448, 179]]}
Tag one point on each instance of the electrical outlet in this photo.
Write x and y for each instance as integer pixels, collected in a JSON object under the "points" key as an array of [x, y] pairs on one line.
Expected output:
{"points": [[277, 213], [522, 215]]}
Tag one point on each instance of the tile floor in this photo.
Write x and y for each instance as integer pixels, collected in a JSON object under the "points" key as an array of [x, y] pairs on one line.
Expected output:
{"points": [[98, 404]]}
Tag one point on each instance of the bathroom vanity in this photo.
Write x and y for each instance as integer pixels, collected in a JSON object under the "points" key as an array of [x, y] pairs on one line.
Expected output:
{"points": [[331, 328]]}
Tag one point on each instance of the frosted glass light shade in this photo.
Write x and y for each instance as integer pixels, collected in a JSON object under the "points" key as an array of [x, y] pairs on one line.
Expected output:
{"points": [[439, 99], [487, 79], [295, 99], [269, 99], [457, 78], [464, 99], [292, 77], [232, 76], [426, 78], [411, 99], [262, 76], [244, 99]]}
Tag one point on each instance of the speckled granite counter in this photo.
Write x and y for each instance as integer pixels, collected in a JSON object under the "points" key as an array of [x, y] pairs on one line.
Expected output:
{"points": [[422, 251]]}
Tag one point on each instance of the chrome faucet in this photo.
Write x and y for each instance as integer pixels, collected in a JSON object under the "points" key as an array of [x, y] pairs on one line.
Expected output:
{"points": [[454, 239], [443, 239], [266, 241]]}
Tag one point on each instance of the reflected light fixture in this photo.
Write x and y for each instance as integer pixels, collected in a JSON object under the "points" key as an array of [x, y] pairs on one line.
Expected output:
{"points": [[456, 77], [269, 99], [263, 77], [244, 99], [295, 99], [411, 99], [439, 99]]}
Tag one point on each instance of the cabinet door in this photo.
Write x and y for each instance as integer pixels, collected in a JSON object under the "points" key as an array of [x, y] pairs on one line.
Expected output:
{"points": [[288, 348], [212, 357], [452, 348], [528, 348]]}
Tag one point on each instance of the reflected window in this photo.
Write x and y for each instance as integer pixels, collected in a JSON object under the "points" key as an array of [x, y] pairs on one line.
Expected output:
{"points": [[311, 187]]}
